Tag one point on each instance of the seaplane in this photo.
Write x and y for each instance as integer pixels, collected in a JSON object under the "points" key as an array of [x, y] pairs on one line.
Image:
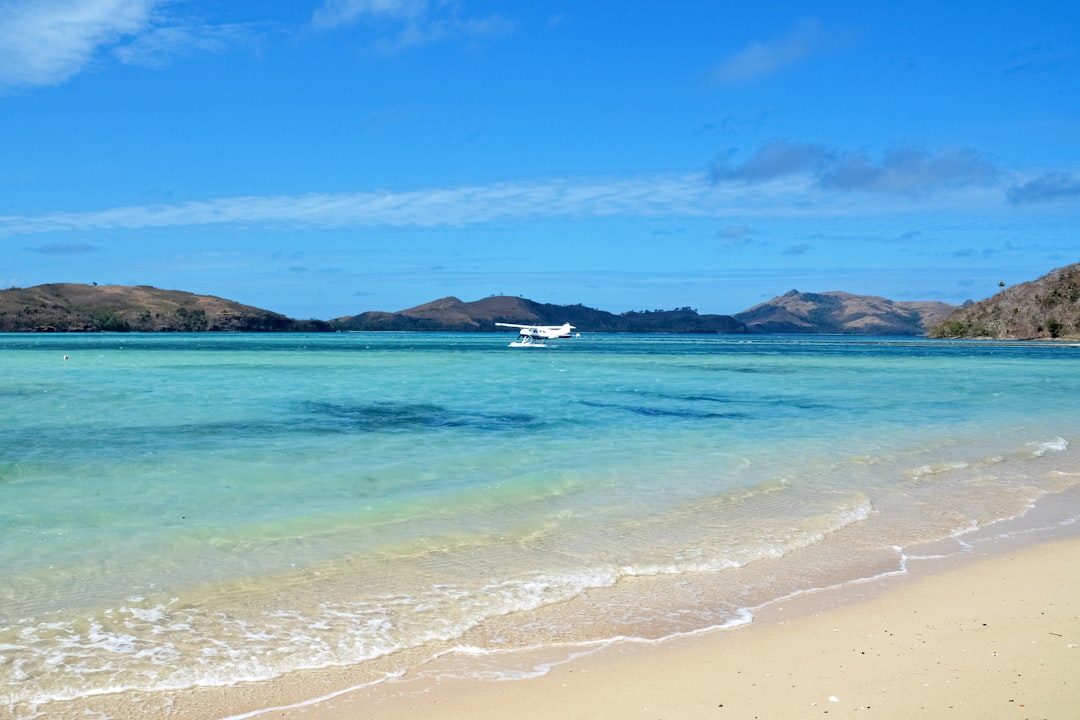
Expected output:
{"points": [[535, 335]]}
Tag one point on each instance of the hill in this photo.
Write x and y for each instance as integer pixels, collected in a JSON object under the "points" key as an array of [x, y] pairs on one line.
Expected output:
{"points": [[452, 314], [70, 307], [842, 313], [1045, 308]]}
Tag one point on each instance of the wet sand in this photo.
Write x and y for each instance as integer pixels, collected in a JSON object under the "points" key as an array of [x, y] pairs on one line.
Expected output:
{"points": [[994, 635]]}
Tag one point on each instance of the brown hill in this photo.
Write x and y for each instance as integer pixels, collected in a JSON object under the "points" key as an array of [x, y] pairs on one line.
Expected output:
{"points": [[1045, 308], [452, 314], [70, 307], [842, 313], [446, 314]]}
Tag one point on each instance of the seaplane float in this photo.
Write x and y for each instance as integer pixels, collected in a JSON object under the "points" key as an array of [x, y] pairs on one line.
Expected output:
{"points": [[535, 335]]}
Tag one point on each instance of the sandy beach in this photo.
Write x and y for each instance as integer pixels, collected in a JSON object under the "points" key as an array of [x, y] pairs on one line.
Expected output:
{"points": [[992, 636], [993, 632]]}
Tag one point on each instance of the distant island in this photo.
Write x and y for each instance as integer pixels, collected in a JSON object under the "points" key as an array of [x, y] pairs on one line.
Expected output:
{"points": [[481, 315], [68, 307], [794, 312], [1045, 308], [843, 313], [72, 307]]}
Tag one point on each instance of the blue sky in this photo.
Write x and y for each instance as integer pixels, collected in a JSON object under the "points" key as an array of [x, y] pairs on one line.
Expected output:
{"points": [[328, 157]]}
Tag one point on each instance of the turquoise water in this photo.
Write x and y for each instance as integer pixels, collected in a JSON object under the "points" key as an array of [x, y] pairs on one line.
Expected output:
{"points": [[201, 510]]}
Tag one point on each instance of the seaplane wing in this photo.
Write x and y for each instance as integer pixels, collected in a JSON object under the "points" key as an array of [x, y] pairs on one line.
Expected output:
{"points": [[541, 332]]}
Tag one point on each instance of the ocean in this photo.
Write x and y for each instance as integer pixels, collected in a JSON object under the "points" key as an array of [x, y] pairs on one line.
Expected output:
{"points": [[186, 513]]}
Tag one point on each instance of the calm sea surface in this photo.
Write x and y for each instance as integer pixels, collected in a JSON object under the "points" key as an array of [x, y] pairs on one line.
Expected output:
{"points": [[186, 511]]}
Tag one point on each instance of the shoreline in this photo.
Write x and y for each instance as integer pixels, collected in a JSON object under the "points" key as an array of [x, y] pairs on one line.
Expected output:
{"points": [[880, 642], [882, 639], [990, 629]]}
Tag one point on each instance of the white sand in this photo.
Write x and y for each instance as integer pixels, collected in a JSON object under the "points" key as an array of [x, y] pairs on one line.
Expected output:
{"points": [[995, 637]]}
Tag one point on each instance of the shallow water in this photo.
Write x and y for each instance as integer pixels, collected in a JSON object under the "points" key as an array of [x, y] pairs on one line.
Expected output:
{"points": [[200, 510]]}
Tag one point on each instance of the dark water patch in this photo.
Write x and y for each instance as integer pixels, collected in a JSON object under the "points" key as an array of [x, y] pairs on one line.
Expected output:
{"points": [[384, 417], [703, 398], [797, 404], [23, 392], [130, 442], [760, 370], [768, 404], [237, 367], [653, 411], [68, 444], [744, 370]]}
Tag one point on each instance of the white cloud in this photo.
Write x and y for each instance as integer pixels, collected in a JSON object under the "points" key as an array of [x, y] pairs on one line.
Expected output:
{"points": [[1047, 187], [910, 170], [157, 46], [424, 208], [1038, 60], [738, 234], [46, 42], [772, 160], [409, 23], [901, 170], [664, 196], [345, 12], [806, 38], [79, 248]]}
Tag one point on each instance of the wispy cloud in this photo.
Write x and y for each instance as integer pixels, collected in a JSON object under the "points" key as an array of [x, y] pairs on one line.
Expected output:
{"points": [[432, 207], [901, 170], [46, 42], [80, 248], [975, 253], [1048, 187], [807, 37], [910, 170], [410, 23], [345, 12], [794, 188], [1037, 59], [772, 160], [734, 234], [734, 124], [160, 45]]}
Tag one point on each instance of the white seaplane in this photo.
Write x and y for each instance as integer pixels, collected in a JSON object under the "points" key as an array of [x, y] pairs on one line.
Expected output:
{"points": [[535, 335]]}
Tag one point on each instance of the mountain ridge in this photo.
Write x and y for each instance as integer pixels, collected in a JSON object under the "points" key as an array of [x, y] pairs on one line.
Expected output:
{"points": [[1047, 308], [74, 307], [843, 313], [71, 307], [450, 313]]}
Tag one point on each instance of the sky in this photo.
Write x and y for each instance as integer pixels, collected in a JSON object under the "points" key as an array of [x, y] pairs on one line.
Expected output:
{"points": [[320, 158]]}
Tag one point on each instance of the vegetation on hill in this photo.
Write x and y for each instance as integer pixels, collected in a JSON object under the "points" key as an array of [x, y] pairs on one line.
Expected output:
{"points": [[842, 313], [451, 314], [70, 307], [1047, 308]]}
